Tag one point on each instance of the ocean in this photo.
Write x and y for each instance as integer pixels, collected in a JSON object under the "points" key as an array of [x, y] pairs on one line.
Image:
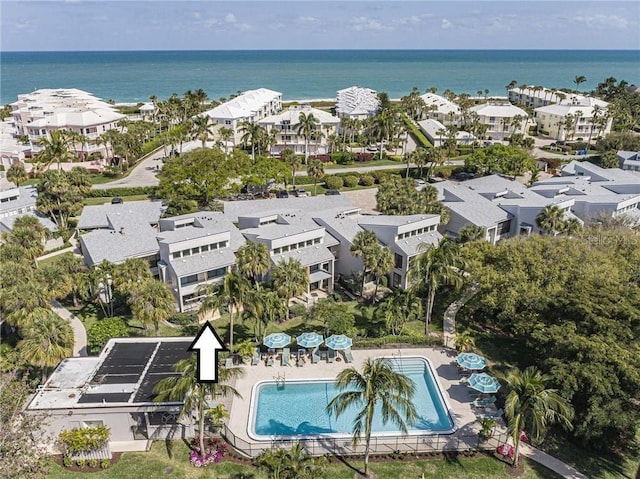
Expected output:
{"points": [[134, 76]]}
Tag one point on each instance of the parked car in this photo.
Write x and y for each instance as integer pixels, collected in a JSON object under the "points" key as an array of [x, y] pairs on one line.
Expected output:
{"points": [[116, 201], [282, 194], [300, 193], [332, 192], [372, 148], [420, 182]]}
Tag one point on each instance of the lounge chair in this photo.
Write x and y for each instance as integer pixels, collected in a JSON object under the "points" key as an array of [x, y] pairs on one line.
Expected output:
{"points": [[484, 402], [256, 357], [270, 360], [348, 356], [315, 356], [331, 355], [285, 357], [491, 415], [228, 363]]}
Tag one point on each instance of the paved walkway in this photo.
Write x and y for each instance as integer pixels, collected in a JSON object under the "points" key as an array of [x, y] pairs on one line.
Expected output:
{"points": [[449, 320], [79, 332], [550, 462]]}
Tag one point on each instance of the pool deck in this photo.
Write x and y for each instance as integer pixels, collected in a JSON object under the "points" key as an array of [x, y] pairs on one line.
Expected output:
{"points": [[442, 361]]}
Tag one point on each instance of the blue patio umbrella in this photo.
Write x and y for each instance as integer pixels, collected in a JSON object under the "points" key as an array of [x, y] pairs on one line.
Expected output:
{"points": [[309, 340], [471, 361], [338, 341], [484, 383], [277, 340]]}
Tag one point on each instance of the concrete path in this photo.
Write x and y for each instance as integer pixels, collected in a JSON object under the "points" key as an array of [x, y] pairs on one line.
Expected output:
{"points": [[79, 332], [449, 319], [550, 462]]}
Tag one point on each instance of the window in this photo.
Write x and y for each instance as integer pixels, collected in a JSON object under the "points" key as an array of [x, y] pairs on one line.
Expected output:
{"points": [[216, 273], [204, 248], [316, 241], [325, 266], [504, 227], [276, 250], [195, 250], [177, 254], [193, 278], [309, 242], [293, 247], [285, 249], [398, 261], [314, 268]]}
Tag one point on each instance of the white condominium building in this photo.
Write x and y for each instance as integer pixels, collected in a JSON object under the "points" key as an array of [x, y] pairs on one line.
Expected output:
{"points": [[356, 103], [577, 117], [502, 119], [39, 113]]}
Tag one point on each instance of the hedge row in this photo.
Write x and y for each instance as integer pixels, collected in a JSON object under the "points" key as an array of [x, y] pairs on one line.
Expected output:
{"points": [[130, 191], [397, 341], [416, 133]]}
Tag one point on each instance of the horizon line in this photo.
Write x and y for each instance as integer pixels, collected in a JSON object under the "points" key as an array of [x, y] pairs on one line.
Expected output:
{"points": [[333, 50]]}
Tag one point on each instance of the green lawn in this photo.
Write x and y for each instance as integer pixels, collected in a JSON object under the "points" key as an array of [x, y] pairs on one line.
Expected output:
{"points": [[367, 164], [107, 199], [169, 460]]}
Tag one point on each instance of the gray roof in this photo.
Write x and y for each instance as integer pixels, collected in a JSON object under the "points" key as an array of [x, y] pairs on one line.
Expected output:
{"points": [[307, 256], [132, 240], [6, 224], [109, 215], [391, 220], [207, 223], [297, 224], [26, 197], [204, 262], [310, 204], [413, 245], [470, 204], [345, 227]]}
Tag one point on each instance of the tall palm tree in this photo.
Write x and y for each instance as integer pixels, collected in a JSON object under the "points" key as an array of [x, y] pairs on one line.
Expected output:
{"points": [[579, 80], [307, 125], [46, 342], [253, 260], [315, 169], [363, 246], [550, 219], [74, 268], [377, 385], [290, 278], [17, 175], [57, 148], [231, 293], [264, 307], [130, 274], [253, 134], [382, 126], [226, 134], [470, 232], [202, 128], [152, 302], [434, 267], [290, 158], [382, 264], [532, 407], [101, 284], [195, 394]]}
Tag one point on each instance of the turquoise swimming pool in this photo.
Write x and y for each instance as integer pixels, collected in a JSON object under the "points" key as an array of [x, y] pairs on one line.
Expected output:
{"points": [[298, 407]]}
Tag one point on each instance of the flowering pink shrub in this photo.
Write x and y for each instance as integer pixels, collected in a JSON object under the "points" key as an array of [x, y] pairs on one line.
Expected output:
{"points": [[215, 449]]}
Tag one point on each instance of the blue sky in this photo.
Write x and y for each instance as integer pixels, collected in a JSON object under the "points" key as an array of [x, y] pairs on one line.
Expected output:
{"points": [[30, 25]]}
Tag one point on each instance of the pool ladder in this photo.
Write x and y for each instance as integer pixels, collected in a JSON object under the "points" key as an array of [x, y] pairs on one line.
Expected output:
{"points": [[280, 379]]}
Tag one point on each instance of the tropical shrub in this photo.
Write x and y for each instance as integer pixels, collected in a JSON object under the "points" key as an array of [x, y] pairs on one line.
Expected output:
{"points": [[215, 450], [67, 461], [364, 156], [84, 439], [367, 180], [333, 182], [92, 463], [104, 463], [80, 463], [103, 330], [350, 181]]}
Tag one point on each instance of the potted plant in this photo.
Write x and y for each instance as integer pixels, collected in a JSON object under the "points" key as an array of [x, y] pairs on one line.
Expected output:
{"points": [[245, 350], [217, 415]]}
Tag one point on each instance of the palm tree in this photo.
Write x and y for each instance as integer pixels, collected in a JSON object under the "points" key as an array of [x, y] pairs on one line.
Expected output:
{"points": [[152, 302], [58, 147], [101, 285], [307, 125], [382, 264], [290, 278], [231, 293], [377, 385], [226, 134], [253, 260], [315, 169], [471, 232], [362, 246], [578, 80], [46, 342], [382, 126], [202, 128], [464, 341], [252, 134], [17, 174], [550, 219], [436, 266], [295, 463], [130, 274], [530, 406], [290, 158], [186, 387], [74, 268]]}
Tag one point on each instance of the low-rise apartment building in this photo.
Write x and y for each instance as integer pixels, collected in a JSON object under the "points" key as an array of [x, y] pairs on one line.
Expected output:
{"points": [[576, 117], [357, 103]]}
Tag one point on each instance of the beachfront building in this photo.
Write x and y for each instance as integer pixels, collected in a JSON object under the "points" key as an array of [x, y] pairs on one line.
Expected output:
{"points": [[115, 389], [436, 133], [535, 96], [502, 119], [629, 160], [576, 117], [284, 127], [37, 114], [356, 103], [250, 106], [12, 150], [440, 109], [116, 232], [21, 201], [196, 249]]}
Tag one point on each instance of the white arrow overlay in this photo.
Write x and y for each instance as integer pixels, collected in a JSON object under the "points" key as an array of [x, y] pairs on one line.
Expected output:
{"points": [[207, 345]]}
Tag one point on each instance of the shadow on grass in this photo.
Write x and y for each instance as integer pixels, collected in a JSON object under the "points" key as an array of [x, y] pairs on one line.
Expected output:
{"points": [[344, 461]]}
